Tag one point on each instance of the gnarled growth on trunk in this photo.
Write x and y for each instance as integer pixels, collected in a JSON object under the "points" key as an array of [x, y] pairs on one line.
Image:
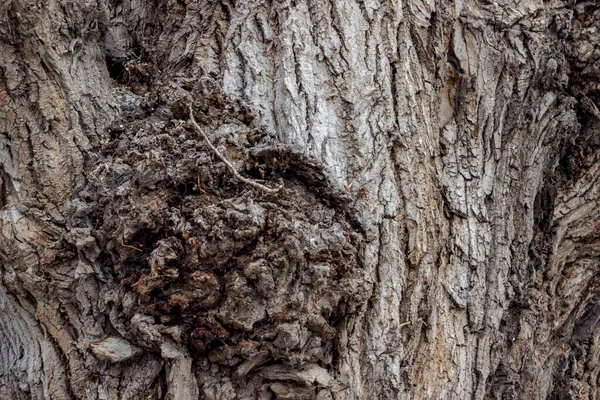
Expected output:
{"points": [[434, 234]]}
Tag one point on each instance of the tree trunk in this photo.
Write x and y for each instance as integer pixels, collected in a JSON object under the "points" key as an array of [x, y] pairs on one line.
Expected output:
{"points": [[424, 220]]}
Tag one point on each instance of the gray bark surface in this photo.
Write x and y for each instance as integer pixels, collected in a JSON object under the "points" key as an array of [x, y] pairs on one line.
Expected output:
{"points": [[436, 233]]}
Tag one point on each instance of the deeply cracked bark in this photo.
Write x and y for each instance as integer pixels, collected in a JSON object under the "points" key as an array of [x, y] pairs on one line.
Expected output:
{"points": [[436, 235]]}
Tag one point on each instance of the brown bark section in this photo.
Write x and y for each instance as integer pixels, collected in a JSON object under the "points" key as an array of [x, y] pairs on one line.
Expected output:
{"points": [[436, 235]]}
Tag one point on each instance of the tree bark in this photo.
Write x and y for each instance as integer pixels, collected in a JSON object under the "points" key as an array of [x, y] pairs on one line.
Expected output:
{"points": [[436, 233]]}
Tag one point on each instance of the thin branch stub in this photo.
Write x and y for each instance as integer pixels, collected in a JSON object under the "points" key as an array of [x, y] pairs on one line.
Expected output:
{"points": [[235, 173]]}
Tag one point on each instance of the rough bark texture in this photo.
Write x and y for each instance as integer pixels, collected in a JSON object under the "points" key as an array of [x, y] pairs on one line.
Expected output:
{"points": [[437, 234]]}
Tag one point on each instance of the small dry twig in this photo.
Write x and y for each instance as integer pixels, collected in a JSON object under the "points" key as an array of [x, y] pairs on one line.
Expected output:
{"points": [[231, 167]]}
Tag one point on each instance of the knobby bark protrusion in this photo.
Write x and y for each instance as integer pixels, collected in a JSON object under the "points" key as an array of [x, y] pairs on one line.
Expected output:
{"points": [[435, 237], [234, 171]]}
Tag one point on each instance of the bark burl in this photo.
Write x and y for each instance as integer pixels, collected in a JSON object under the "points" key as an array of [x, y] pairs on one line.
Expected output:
{"points": [[424, 223]]}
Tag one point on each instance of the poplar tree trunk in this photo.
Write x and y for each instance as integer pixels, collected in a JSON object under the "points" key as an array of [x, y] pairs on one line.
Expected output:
{"points": [[431, 227]]}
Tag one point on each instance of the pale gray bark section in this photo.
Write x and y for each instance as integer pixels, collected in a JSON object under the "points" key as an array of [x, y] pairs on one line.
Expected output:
{"points": [[437, 236]]}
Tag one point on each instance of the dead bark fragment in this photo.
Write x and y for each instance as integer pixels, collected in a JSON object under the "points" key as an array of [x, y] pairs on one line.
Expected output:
{"points": [[114, 349]]}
